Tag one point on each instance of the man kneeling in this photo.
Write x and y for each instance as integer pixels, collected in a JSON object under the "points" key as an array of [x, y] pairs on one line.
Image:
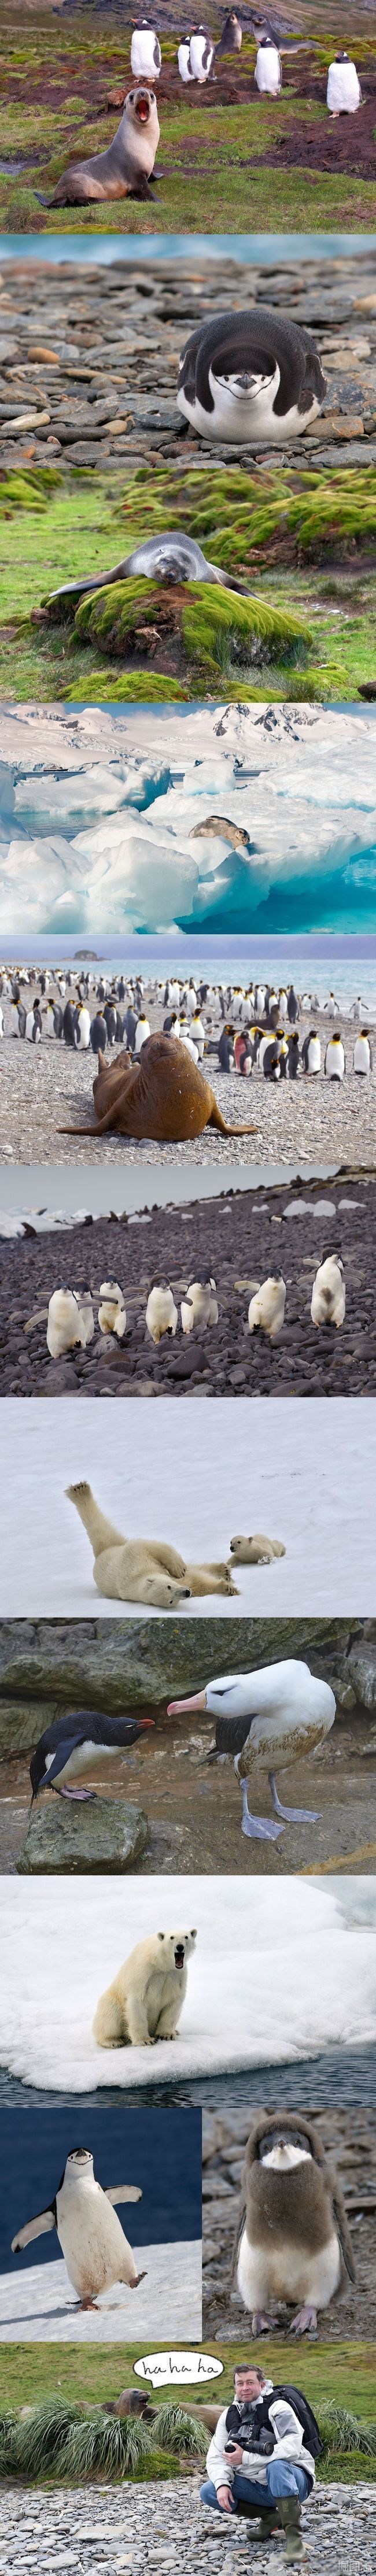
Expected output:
{"points": [[259, 2461]]}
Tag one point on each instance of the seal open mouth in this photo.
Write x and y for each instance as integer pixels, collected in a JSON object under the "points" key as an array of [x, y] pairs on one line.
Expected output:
{"points": [[179, 1955], [142, 110]]}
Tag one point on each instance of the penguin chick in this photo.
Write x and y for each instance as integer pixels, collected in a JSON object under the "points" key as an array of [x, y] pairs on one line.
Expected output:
{"points": [[85, 1308], [112, 1312], [65, 1324], [328, 1301], [292, 2240], [92, 2240], [266, 1310], [199, 1306], [257, 1550], [161, 1312]]}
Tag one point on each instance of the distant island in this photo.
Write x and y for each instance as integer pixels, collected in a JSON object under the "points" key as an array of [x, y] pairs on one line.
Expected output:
{"points": [[90, 953]]}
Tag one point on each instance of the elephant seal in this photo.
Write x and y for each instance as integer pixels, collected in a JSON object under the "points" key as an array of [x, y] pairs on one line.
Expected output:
{"points": [[169, 557], [125, 169], [164, 1097]]}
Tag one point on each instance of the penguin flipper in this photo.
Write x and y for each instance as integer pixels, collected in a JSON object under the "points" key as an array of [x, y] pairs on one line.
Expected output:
{"points": [[62, 1756], [122, 2191], [343, 2233], [39, 1318], [35, 2227]]}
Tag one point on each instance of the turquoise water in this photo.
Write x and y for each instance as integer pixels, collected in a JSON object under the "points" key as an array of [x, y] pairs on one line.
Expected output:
{"points": [[251, 247]]}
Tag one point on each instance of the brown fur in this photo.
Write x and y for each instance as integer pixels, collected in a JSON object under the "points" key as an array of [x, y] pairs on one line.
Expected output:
{"points": [[311, 2192], [164, 1096]]}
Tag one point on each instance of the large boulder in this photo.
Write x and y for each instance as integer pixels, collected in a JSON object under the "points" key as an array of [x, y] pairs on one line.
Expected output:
{"points": [[106, 1835], [105, 1664]]}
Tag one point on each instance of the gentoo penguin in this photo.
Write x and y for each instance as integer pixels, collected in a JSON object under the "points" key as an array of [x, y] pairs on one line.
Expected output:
{"points": [[363, 1053], [250, 376], [33, 1030], [146, 55], [184, 61], [69, 1030], [161, 1312], [268, 72], [335, 1059], [201, 54], [292, 2239], [267, 1307], [112, 1312], [83, 1027], [231, 39], [65, 1324], [142, 1032], [199, 1306], [85, 1305], [95, 2249], [98, 1033], [311, 1052], [80, 1740], [343, 91], [328, 1301], [276, 1715]]}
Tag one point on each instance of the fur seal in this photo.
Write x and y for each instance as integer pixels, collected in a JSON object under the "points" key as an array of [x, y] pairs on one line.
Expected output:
{"points": [[170, 557], [250, 375], [165, 1097], [231, 39], [125, 169]]}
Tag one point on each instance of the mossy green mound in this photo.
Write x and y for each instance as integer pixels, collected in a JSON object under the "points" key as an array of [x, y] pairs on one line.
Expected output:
{"points": [[149, 688], [214, 627]]}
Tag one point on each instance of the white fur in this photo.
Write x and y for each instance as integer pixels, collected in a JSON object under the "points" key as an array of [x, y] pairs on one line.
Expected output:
{"points": [[282, 2270], [65, 1324], [328, 1301], [266, 1309], [145, 2000]]}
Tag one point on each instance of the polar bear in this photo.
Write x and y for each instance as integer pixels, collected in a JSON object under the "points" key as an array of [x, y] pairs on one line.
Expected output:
{"points": [[145, 1999], [142, 1569], [257, 1550]]}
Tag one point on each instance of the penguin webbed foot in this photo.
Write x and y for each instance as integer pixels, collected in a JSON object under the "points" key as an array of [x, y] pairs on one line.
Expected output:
{"points": [[83, 1794], [305, 2322], [261, 2322], [292, 1815]]}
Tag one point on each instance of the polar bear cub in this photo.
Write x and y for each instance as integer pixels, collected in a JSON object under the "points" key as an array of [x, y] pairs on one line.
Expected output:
{"points": [[145, 2000], [257, 1550]]}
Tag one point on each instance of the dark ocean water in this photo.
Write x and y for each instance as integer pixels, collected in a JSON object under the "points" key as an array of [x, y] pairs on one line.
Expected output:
{"points": [[343, 2076]]}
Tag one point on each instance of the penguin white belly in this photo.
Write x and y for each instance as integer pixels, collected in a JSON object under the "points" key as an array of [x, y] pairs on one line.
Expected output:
{"points": [[81, 1757], [273, 1742], [343, 91], [283, 2270], [92, 2241], [243, 414], [267, 73]]}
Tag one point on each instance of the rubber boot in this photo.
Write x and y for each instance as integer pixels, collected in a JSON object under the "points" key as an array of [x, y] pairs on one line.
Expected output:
{"points": [[267, 2528], [290, 2517]]}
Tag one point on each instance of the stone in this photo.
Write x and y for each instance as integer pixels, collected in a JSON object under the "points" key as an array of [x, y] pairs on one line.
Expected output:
{"points": [[362, 1671], [106, 1836]]}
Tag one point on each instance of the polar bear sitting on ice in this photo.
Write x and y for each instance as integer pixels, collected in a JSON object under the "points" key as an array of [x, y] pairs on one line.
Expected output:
{"points": [[145, 1999]]}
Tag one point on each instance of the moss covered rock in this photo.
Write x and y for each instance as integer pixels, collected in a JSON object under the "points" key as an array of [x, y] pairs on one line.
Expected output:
{"points": [[211, 628]]}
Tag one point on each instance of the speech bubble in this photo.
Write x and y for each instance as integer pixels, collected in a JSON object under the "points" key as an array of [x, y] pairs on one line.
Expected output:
{"points": [[171, 2369]]}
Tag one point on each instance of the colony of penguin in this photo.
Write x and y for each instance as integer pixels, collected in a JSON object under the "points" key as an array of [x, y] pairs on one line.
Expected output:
{"points": [[198, 53], [258, 1025], [71, 1319]]}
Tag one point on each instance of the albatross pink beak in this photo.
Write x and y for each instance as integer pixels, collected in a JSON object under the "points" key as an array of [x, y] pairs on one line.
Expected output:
{"points": [[177, 1706]]}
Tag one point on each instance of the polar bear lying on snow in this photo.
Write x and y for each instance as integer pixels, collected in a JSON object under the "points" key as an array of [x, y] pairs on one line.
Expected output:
{"points": [[145, 1999], [142, 1569]]}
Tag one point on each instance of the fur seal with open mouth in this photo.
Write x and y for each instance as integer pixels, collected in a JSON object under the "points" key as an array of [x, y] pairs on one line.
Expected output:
{"points": [[164, 1096], [250, 375], [125, 169], [170, 557]]}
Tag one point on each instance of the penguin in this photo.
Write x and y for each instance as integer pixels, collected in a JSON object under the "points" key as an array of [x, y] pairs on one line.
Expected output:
{"points": [[33, 1029], [83, 1027], [95, 2249], [242, 1054], [2, 1023], [146, 55], [250, 376], [69, 1031], [85, 1307], [278, 1714], [231, 39], [335, 1059], [50, 1020], [188, 1042], [292, 2239], [110, 1017], [142, 1032], [269, 1060], [283, 1055], [201, 54], [112, 1312], [79, 1741], [363, 1053], [267, 1307], [129, 1027], [199, 1306], [21, 1016], [293, 1047], [268, 72], [184, 63], [225, 1049], [282, 1002], [260, 1001], [343, 94], [328, 1301], [292, 1004], [197, 1032], [65, 1324], [161, 1313], [311, 1052], [98, 1033]]}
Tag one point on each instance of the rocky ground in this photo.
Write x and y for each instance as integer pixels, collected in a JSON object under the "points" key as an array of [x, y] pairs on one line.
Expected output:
{"points": [[349, 2138], [89, 358], [153, 2525], [238, 1239], [45, 1087]]}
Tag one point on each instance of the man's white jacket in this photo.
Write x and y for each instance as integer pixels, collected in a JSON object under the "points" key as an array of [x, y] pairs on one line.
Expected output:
{"points": [[289, 2445]]}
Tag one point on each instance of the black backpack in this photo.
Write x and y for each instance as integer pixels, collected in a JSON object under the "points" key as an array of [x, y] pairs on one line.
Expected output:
{"points": [[305, 2418]]}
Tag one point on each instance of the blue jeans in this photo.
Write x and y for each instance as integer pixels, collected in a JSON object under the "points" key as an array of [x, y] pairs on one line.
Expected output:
{"points": [[283, 2478]]}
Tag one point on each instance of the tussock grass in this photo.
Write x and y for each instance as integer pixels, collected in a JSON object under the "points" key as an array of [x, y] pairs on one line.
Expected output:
{"points": [[175, 2430]]}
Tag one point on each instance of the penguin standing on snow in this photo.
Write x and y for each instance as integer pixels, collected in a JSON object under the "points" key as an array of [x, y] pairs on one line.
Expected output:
{"points": [[292, 2239], [78, 1741], [335, 1059], [311, 1052], [250, 376], [343, 94], [146, 55], [363, 1053], [92, 2240], [268, 72]]}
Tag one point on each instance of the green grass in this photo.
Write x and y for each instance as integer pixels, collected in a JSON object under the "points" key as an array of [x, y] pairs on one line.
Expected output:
{"points": [[74, 522], [67, 2440], [211, 153]]}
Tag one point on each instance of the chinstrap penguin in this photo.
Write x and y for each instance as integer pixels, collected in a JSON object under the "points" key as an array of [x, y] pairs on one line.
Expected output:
{"points": [[250, 376], [95, 2249]]}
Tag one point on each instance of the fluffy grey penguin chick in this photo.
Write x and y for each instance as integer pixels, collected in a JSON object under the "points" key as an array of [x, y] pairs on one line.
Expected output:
{"points": [[293, 2241]]}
